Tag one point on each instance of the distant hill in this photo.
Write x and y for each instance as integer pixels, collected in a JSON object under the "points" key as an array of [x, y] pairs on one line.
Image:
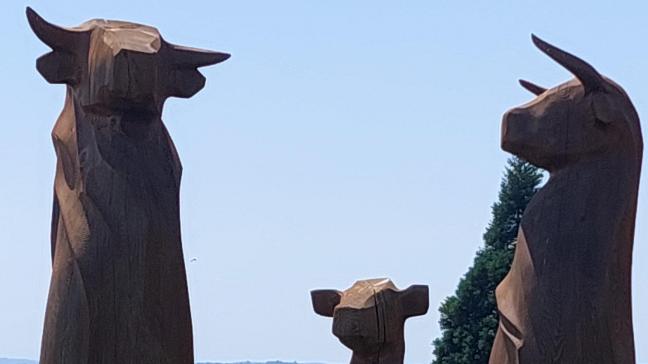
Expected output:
{"points": [[253, 362], [17, 361], [24, 361]]}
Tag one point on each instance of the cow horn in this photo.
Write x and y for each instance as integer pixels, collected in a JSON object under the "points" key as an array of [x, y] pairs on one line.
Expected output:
{"points": [[57, 38], [584, 72], [194, 57], [532, 87]]}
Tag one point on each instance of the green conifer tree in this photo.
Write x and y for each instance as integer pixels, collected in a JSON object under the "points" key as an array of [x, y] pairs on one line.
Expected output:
{"points": [[469, 318]]}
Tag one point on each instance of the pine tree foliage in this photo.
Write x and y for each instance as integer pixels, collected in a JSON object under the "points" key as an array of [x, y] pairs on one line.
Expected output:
{"points": [[469, 318]]}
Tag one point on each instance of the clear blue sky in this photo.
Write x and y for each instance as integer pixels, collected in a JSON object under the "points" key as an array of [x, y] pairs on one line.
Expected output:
{"points": [[341, 141]]}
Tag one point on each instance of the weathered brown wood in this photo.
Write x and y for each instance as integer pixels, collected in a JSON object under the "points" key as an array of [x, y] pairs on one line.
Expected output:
{"points": [[118, 292], [369, 318], [567, 296]]}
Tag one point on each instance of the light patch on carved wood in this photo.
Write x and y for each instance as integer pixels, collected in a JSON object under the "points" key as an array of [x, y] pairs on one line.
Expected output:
{"points": [[361, 294]]}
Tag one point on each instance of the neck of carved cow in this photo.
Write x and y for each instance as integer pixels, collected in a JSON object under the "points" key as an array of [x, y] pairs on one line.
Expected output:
{"points": [[117, 161], [86, 139], [580, 229], [606, 187], [392, 352]]}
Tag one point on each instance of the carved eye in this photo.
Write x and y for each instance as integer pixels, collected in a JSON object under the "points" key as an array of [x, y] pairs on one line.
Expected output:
{"points": [[564, 93]]}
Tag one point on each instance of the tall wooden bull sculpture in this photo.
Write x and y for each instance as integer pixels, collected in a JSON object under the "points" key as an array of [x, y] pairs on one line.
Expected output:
{"points": [[567, 296], [118, 292], [369, 317]]}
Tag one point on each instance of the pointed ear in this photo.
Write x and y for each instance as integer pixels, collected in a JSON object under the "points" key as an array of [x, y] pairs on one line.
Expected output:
{"points": [[325, 300], [415, 300]]}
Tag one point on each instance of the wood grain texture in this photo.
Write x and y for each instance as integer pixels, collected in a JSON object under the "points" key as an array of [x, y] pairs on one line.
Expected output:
{"points": [[118, 292], [567, 296]]}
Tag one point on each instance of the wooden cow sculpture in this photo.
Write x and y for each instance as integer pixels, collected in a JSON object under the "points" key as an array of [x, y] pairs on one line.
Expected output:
{"points": [[118, 292], [369, 318], [567, 296]]}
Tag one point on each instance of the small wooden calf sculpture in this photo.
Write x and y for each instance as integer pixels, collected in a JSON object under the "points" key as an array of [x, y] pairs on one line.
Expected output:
{"points": [[118, 292], [369, 318], [567, 296]]}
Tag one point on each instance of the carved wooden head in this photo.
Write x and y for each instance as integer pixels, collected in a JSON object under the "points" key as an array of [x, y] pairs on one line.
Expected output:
{"points": [[371, 314], [115, 65], [583, 118]]}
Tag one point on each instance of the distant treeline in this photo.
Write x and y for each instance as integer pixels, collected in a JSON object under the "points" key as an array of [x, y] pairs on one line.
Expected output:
{"points": [[24, 361]]}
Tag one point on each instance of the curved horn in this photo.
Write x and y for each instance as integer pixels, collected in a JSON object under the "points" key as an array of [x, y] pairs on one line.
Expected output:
{"points": [[57, 38], [532, 87], [584, 72], [194, 57]]}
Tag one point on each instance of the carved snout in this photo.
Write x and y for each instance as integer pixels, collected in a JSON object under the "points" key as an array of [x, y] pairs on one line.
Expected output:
{"points": [[530, 137], [358, 329], [516, 130]]}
